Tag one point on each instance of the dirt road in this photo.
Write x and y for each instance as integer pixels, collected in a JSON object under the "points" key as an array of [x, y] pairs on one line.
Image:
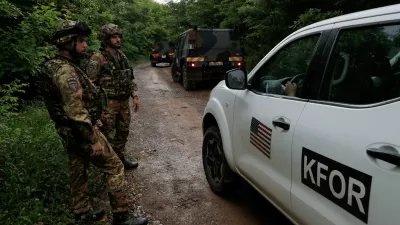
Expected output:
{"points": [[169, 186]]}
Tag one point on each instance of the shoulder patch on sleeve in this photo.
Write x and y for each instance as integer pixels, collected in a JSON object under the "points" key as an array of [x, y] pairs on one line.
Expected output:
{"points": [[92, 65], [73, 83]]}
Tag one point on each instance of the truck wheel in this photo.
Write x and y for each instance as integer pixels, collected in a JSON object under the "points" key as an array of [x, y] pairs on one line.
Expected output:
{"points": [[175, 77], [220, 177], [187, 84]]}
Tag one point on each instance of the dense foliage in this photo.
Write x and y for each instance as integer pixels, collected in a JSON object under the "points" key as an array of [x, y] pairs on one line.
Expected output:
{"points": [[263, 23], [33, 165], [27, 25]]}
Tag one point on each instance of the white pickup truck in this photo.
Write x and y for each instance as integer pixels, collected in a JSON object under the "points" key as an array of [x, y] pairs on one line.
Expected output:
{"points": [[329, 153]]}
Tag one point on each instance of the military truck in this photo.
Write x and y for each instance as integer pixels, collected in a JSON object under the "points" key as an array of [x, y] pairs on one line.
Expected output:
{"points": [[205, 54], [162, 51]]}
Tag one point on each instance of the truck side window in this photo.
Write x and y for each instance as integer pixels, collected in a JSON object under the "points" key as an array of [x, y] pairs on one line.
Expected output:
{"points": [[290, 61], [364, 66]]}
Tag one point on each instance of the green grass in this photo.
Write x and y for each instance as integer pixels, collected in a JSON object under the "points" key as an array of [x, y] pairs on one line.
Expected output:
{"points": [[34, 171]]}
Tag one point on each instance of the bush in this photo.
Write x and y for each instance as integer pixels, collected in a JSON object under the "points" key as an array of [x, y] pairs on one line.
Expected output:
{"points": [[23, 45], [34, 172], [8, 99]]}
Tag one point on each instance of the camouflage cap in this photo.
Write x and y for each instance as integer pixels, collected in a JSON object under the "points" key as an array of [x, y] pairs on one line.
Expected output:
{"points": [[68, 29], [107, 31]]}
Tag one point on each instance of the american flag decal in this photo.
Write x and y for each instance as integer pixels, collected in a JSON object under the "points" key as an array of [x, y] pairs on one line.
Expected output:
{"points": [[260, 136]]}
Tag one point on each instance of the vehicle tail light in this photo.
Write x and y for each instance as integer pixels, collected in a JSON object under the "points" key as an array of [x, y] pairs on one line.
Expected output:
{"points": [[171, 54], [194, 64], [155, 55], [238, 64]]}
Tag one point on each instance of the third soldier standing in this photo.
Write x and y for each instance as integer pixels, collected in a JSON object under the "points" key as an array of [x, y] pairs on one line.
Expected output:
{"points": [[110, 69]]}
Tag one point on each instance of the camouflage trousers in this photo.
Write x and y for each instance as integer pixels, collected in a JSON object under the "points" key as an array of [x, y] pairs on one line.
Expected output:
{"points": [[116, 119], [112, 167]]}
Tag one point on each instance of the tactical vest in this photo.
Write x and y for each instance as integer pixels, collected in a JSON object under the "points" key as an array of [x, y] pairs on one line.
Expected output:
{"points": [[116, 77], [94, 98]]}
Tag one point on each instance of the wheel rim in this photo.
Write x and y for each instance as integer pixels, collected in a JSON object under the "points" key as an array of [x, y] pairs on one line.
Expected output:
{"points": [[214, 160]]}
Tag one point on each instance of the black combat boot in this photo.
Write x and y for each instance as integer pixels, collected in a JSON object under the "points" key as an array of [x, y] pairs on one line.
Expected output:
{"points": [[129, 165], [128, 220], [90, 216]]}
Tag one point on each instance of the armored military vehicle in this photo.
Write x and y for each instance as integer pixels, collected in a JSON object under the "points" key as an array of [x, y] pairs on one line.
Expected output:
{"points": [[205, 54], [162, 51]]}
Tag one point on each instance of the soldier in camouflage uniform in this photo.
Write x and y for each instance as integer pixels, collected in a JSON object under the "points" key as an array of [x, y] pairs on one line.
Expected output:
{"points": [[75, 104], [110, 70]]}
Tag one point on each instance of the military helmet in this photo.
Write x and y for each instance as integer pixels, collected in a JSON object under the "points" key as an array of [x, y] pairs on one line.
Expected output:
{"points": [[107, 31], [68, 29]]}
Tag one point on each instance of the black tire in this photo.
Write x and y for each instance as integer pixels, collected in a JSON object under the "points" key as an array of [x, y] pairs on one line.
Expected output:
{"points": [[153, 65], [220, 177], [175, 77], [187, 84]]}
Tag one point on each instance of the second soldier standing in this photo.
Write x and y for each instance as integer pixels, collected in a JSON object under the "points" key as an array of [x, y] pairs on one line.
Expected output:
{"points": [[110, 69], [74, 104]]}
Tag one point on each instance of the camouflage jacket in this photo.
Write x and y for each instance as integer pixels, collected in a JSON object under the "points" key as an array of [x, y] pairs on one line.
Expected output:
{"points": [[113, 74], [72, 100]]}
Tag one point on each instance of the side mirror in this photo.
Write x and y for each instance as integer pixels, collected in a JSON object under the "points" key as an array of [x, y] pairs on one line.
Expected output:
{"points": [[236, 79]]}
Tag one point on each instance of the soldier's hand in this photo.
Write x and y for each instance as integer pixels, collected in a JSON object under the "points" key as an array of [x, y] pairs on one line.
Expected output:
{"points": [[97, 149], [135, 104]]}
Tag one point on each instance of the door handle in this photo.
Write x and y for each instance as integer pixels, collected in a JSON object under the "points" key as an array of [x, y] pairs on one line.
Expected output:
{"points": [[385, 154], [281, 123]]}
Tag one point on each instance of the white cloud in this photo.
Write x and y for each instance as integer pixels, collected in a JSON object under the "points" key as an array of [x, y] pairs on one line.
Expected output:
{"points": [[161, 1]]}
